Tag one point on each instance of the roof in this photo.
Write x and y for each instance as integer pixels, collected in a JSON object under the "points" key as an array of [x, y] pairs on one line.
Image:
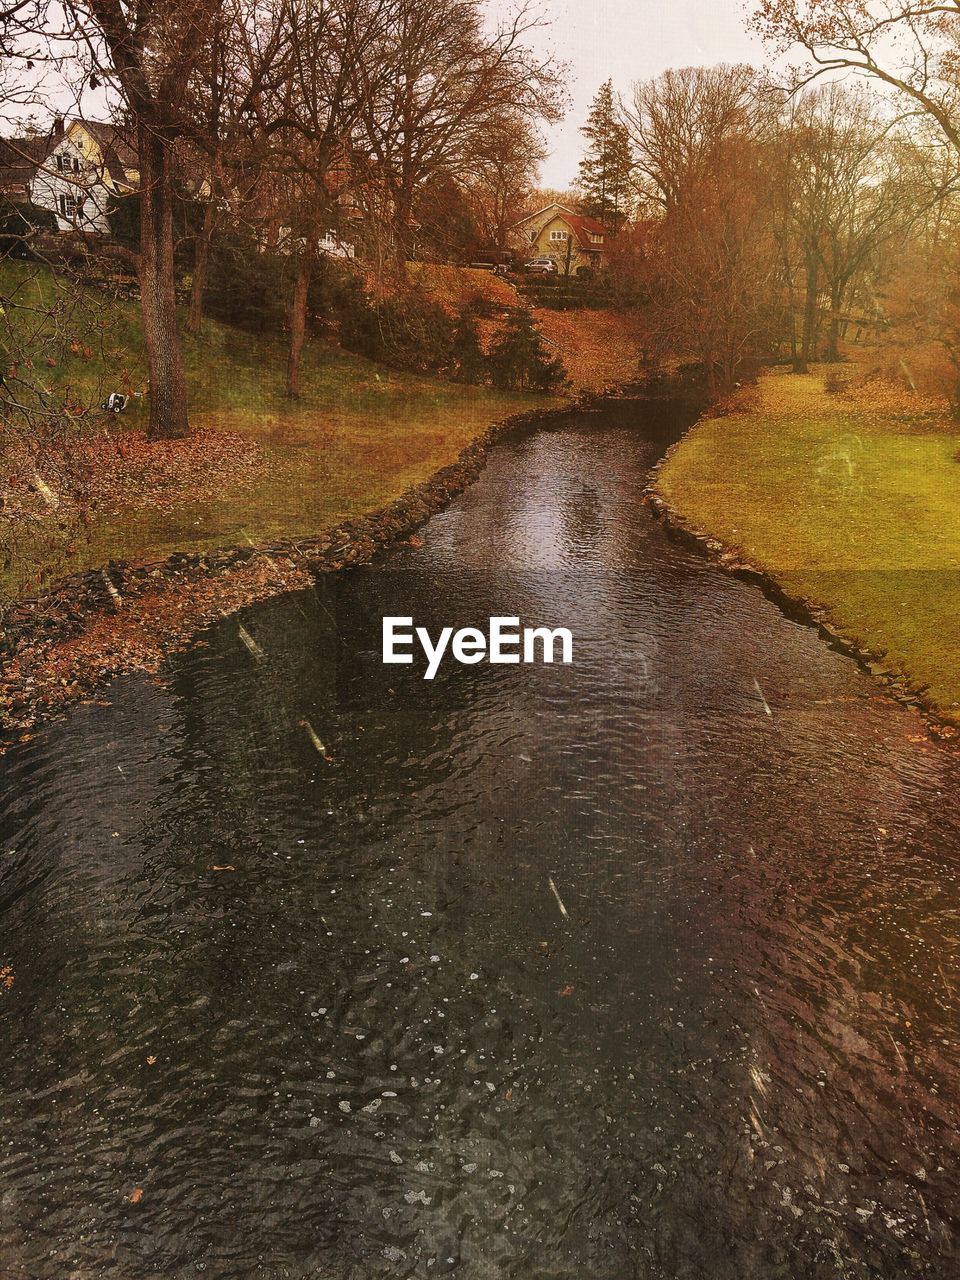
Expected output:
{"points": [[582, 226], [19, 160], [585, 227], [114, 141]]}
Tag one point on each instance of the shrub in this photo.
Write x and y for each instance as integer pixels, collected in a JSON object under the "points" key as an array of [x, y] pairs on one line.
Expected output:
{"points": [[338, 297], [519, 357], [471, 364], [417, 333], [408, 330], [123, 216], [245, 287], [19, 223]]}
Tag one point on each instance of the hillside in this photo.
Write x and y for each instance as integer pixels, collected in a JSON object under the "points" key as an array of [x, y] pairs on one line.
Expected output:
{"points": [[259, 467]]}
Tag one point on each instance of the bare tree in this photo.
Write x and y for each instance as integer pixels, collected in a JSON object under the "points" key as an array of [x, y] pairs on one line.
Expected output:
{"points": [[713, 272], [913, 46], [449, 83], [150, 53], [500, 175], [162, 63], [708, 259], [840, 193], [308, 119], [682, 123]]}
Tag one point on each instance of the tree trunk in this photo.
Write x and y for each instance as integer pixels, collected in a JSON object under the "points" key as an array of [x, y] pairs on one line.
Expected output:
{"points": [[201, 255], [298, 322], [809, 336], [403, 222], [158, 301], [833, 338]]}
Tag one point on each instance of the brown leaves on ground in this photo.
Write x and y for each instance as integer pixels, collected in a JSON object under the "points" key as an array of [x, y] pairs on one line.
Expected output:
{"points": [[136, 637], [124, 469], [136, 1195], [6, 977], [129, 470], [457, 287], [891, 399], [598, 348]]}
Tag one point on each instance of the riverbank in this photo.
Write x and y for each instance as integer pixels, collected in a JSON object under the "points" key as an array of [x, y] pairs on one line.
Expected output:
{"points": [[67, 644], [847, 503], [258, 468]]}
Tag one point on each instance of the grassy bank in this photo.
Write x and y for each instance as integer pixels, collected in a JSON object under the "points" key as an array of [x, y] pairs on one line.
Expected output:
{"points": [[359, 436], [850, 500]]}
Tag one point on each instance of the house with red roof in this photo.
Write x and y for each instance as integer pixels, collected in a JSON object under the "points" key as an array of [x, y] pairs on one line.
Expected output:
{"points": [[575, 242]]}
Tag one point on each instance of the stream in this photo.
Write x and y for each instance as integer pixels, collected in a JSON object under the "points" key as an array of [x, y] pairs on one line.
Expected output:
{"points": [[643, 966]]}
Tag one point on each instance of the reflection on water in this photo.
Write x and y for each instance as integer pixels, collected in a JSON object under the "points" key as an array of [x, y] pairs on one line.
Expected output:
{"points": [[325, 1013]]}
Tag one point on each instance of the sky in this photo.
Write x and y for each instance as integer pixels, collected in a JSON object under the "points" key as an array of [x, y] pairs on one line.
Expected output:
{"points": [[629, 40], [622, 40]]}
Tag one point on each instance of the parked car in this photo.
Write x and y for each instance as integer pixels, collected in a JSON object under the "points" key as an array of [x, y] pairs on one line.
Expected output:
{"points": [[546, 266]]}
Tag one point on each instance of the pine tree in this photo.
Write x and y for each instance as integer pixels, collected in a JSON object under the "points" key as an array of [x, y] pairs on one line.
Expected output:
{"points": [[606, 168], [470, 362], [519, 357]]}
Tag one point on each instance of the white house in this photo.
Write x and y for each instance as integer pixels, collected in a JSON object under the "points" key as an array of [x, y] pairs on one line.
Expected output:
{"points": [[76, 172]]}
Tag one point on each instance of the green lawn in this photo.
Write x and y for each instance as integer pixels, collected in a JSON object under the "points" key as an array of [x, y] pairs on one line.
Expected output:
{"points": [[853, 505], [361, 434]]}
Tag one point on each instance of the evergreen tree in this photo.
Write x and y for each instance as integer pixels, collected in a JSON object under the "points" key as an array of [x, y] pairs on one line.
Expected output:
{"points": [[470, 362], [519, 358], [605, 170]]}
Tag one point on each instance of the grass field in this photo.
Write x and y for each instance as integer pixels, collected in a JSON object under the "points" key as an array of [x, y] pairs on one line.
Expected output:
{"points": [[358, 437], [850, 500]]}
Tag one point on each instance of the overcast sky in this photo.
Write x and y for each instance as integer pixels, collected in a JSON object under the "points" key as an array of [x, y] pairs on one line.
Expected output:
{"points": [[628, 40]]}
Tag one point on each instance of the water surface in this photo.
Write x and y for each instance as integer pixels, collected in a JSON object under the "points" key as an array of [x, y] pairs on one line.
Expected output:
{"points": [[279, 1014]]}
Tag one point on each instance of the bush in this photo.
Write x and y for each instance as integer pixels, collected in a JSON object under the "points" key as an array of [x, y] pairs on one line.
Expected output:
{"points": [[19, 223], [408, 330], [123, 216], [471, 364], [245, 287], [417, 333], [519, 358], [337, 296]]}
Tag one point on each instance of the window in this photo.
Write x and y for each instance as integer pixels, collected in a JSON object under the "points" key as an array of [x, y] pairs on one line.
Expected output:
{"points": [[595, 238], [71, 207], [558, 235], [67, 163]]}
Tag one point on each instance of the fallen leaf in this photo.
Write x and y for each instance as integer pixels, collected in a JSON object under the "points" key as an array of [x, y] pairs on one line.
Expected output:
{"points": [[225, 868], [151, 1060], [136, 1195], [568, 990]]}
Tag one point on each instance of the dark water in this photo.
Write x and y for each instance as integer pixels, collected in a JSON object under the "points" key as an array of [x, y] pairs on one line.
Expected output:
{"points": [[380, 1048]]}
